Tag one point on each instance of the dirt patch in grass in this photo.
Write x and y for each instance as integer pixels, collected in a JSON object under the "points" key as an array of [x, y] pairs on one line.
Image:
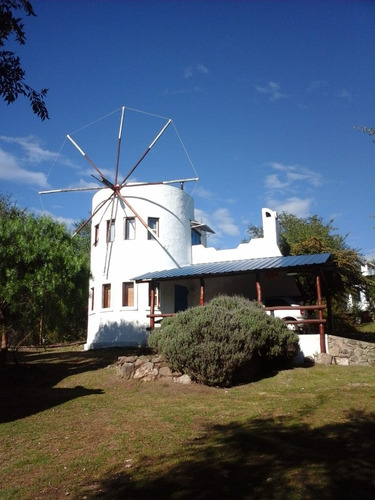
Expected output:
{"points": [[71, 429]]}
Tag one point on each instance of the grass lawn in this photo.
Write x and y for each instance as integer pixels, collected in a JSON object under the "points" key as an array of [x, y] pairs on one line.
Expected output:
{"points": [[69, 428]]}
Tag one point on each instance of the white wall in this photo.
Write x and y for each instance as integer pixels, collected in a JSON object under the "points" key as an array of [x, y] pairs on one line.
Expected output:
{"points": [[309, 345], [268, 246], [119, 261]]}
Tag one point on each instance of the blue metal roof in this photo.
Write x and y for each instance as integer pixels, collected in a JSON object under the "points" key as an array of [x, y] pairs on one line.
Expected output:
{"points": [[296, 262]]}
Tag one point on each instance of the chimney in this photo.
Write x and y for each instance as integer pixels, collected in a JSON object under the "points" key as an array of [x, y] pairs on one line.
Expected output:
{"points": [[270, 226]]}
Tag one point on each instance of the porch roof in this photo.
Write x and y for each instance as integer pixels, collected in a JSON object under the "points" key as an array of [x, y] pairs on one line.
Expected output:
{"points": [[296, 263]]}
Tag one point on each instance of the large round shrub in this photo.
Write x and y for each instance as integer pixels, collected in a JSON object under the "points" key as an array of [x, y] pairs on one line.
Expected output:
{"points": [[217, 342]]}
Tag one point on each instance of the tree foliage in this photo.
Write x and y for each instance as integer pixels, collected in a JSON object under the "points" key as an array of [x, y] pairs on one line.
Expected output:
{"points": [[367, 130], [224, 342], [44, 276], [12, 76]]}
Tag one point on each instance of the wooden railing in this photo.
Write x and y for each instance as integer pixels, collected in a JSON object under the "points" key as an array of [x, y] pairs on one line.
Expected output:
{"points": [[308, 321], [317, 321]]}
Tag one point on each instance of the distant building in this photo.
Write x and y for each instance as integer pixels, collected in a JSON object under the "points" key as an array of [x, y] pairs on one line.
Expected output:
{"points": [[361, 300]]}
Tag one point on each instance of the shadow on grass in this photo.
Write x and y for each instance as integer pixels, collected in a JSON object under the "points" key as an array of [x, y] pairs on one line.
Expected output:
{"points": [[28, 387], [258, 459]]}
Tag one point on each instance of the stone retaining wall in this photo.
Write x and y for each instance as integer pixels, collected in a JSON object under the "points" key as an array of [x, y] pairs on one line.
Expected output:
{"points": [[347, 351], [340, 351], [148, 368]]}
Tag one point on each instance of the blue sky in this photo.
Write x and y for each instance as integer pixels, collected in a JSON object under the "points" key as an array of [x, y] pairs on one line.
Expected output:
{"points": [[264, 97]]}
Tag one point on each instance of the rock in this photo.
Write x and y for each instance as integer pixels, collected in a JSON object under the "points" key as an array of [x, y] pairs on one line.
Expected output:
{"points": [[141, 361], [165, 371], [334, 351], [323, 359], [146, 369], [342, 361], [125, 370], [157, 359], [150, 376], [127, 359], [184, 379]]}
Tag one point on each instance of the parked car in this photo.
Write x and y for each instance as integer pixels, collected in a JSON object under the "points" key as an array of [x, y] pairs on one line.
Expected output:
{"points": [[286, 314]]}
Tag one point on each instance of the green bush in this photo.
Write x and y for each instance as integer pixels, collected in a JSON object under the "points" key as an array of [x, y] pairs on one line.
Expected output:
{"points": [[223, 342]]}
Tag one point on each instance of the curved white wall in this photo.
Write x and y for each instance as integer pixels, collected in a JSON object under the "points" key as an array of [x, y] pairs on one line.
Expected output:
{"points": [[120, 260]]}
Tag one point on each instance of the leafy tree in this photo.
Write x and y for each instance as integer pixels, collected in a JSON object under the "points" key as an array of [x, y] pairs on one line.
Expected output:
{"points": [[366, 130], [43, 276], [254, 232], [12, 76]]}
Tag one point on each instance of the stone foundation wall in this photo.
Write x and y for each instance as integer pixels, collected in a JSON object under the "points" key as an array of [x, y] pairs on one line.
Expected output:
{"points": [[340, 351], [347, 351], [148, 368]]}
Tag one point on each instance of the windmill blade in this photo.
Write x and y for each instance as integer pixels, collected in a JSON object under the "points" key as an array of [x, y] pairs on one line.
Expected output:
{"points": [[70, 190], [101, 205], [146, 152], [109, 242], [103, 179], [179, 181], [155, 183], [119, 143]]}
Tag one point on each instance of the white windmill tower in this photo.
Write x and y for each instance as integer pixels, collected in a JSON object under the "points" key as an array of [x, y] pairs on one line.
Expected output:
{"points": [[135, 228]]}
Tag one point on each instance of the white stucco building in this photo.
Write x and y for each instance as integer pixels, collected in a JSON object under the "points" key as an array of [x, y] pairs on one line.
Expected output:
{"points": [[122, 248], [149, 257]]}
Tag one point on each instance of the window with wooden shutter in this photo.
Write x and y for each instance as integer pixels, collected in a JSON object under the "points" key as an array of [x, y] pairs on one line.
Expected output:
{"points": [[128, 294], [106, 296]]}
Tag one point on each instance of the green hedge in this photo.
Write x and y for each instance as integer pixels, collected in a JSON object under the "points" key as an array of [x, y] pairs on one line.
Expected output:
{"points": [[224, 341]]}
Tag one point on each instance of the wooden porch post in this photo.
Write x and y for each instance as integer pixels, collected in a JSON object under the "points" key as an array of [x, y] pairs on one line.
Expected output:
{"points": [[3, 338], [201, 292], [320, 315], [258, 288], [152, 305]]}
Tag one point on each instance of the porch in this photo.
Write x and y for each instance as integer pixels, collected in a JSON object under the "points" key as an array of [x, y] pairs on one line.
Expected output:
{"points": [[255, 279]]}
